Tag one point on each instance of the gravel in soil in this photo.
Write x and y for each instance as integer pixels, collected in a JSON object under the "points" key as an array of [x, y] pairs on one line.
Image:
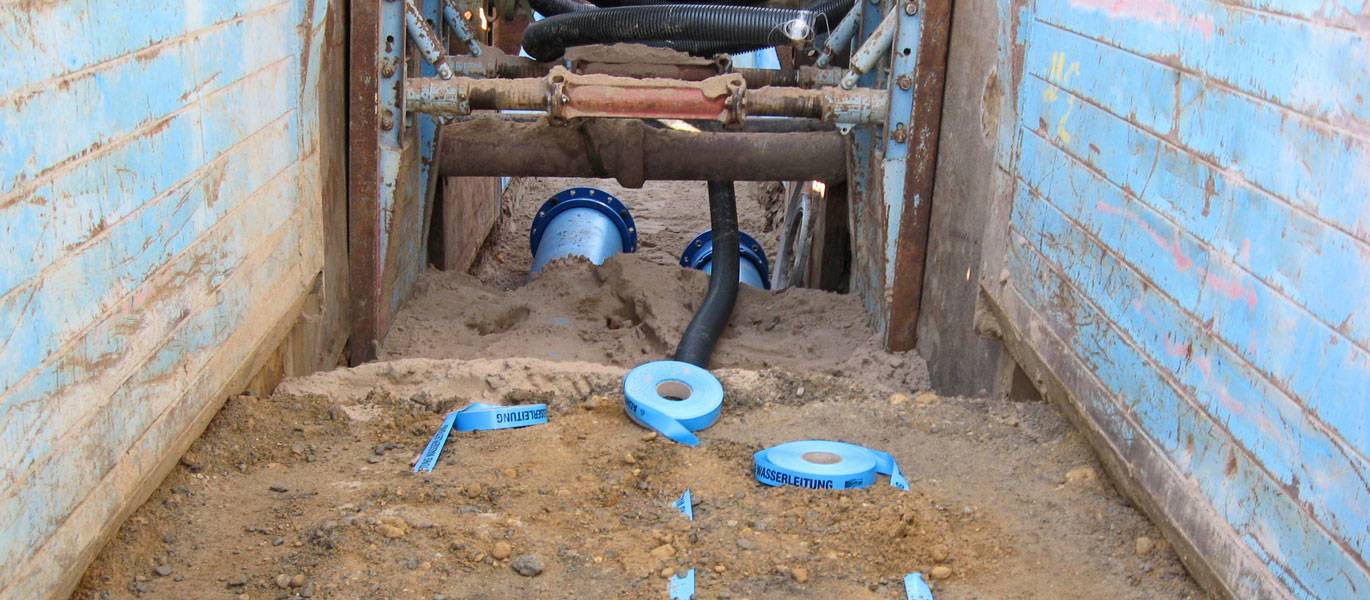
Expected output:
{"points": [[310, 494]]}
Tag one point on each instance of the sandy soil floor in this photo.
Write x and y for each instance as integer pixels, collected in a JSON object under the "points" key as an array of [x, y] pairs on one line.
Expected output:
{"points": [[309, 493]]}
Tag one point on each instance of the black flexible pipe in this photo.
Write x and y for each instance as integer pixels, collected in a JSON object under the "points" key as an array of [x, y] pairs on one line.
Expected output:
{"points": [[697, 344], [548, 8], [744, 26], [617, 3], [694, 48]]}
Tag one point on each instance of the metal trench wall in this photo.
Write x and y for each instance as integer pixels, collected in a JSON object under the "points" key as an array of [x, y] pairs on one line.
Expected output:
{"points": [[163, 173], [1179, 250]]}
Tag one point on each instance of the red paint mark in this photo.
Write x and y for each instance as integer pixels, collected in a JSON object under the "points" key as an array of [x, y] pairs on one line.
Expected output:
{"points": [[1245, 254], [1182, 262], [1159, 12], [1110, 209], [1232, 288], [1224, 399], [1176, 350]]}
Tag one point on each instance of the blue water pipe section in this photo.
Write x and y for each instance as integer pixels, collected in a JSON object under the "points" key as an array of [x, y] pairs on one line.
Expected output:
{"points": [[581, 221], [753, 268]]}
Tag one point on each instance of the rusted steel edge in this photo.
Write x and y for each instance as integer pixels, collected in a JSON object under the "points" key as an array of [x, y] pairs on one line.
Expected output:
{"points": [[363, 179], [925, 123]]}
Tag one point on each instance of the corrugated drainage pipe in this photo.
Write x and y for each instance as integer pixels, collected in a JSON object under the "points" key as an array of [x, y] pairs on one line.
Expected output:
{"points": [[581, 221], [753, 268], [697, 343]]}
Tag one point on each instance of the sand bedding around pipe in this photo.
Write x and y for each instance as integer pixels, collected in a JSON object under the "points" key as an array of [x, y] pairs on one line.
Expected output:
{"points": [[309, 493]]}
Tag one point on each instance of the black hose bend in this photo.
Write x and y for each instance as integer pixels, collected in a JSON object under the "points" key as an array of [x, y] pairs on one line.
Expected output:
{"points": [[617, 3], [697, 344], [742, 26], [548, 8]]}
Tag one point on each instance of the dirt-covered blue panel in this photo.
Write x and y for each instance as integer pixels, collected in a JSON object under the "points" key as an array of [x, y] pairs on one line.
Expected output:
{"points": [[1189, 183], [160, 208]]}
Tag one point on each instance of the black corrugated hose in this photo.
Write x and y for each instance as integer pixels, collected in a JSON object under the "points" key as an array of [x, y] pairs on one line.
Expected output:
{"points": [[697, 344], [548, 8], [744, 26], [615, 3]]}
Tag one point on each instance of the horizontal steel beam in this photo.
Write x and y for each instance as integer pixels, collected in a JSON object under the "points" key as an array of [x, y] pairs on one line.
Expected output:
{"points": [[566, 95], [493, 65], [633, 152]]}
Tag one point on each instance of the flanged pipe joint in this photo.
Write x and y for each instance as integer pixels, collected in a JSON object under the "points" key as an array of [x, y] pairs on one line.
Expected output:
{"points": [[753, 269], [581, 221]]}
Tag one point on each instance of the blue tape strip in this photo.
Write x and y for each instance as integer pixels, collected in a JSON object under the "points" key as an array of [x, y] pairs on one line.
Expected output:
{"points": [[429, 458], [682, 588], [684, 505], [915, 588], [479, 416], [675, 419], [823, 464]]}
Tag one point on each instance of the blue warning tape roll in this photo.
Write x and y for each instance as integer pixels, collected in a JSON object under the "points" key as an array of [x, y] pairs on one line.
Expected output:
{"points": [[645, 391], [476, 417], [825, 465]]}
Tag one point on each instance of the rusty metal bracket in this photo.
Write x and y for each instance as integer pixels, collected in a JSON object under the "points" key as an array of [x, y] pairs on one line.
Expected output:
{"points": [[575, 96], [426, 39], [722, 98]]}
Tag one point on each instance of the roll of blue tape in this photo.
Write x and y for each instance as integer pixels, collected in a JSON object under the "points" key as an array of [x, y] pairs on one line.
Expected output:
{"points": [[825, 465], [479, 416], [700, 394]]}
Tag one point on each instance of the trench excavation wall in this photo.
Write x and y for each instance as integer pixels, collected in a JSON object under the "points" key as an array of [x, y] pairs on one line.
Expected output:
{"points": [[1177, 251], [168, 173]]}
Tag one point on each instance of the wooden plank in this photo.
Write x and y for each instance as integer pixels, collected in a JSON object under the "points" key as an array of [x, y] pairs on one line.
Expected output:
{"points": [[79, 368], [124, 252], [71, 446], [830, 256], [469, 207], [1304, 456], [246, 325], [1345, 14], [1311, 68], [1299, 552], [958, 357], [1211, 549], [154, 219], [318, 340], [1322, 368], [1249, 140], [364, 181], [69, 207], [118, 99], [1189, 208], [106, 31]]}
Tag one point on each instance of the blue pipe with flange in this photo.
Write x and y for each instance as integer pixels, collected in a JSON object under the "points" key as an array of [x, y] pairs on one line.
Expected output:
{"points": [[753, 269], [581, 221]]}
